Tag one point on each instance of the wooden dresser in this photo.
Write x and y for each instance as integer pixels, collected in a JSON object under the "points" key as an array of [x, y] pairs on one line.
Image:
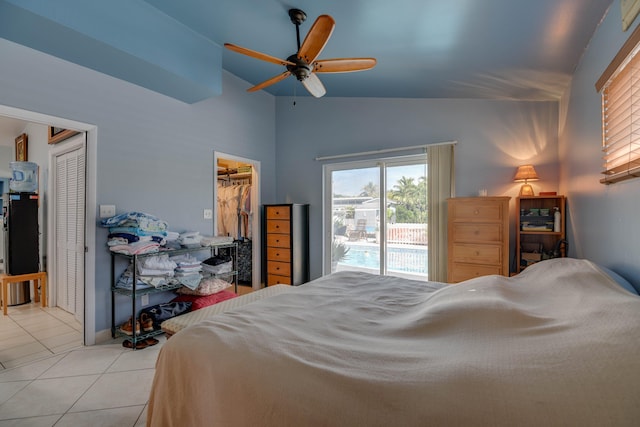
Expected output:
{"points": [[478, 237], [286, 251]]}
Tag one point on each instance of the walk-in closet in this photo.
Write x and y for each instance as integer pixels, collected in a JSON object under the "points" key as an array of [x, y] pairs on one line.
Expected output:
{"points": [[236, 213]]}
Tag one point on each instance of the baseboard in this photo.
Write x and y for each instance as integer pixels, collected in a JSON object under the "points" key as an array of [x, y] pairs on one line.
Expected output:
{"points": [[103, 336]]}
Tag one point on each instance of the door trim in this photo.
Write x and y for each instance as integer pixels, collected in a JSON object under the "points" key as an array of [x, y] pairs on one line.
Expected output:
{"points": [[327, 204], [90, 213], [256, 255]]}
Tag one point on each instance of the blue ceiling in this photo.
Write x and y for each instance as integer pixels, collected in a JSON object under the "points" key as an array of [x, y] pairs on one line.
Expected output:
{"points": [[491, 49]]}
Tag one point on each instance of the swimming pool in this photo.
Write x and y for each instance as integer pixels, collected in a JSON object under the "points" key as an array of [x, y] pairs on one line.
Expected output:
{"points": [[402, 258]]}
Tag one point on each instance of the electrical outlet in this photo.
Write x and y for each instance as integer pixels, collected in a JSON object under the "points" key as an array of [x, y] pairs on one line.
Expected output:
{"points": [[208, 213], [107, 211], [144, 300]]}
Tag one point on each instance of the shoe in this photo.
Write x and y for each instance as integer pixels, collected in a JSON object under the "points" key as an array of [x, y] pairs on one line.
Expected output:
{"points": [[147, 322], [139, 344], [151, 341], [127, 328]]}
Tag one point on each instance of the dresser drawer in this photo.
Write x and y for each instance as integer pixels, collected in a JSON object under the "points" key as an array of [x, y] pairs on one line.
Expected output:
{"points": [[478, 237], [478, 212], [278, 226], [278, 240], [471, 232], [477, 254], [278, 254], [278, 212], [460, 272], [279, 268], [273, 279]]}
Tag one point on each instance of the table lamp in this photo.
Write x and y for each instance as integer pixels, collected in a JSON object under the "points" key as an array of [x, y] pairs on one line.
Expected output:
{"points": [[526, 173]]}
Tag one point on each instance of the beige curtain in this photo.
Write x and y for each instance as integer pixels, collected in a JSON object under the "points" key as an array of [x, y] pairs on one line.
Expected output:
{"points": [[440, 186]]}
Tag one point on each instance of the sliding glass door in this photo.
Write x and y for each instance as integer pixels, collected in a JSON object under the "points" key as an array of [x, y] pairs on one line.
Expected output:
{"points": [[376, 217]]}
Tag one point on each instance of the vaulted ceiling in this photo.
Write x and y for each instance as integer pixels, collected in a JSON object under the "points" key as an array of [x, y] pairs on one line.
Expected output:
{"points": [[492, 49]]}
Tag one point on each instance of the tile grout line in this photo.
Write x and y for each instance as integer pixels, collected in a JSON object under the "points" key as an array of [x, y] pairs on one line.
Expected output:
{"points": [[12, 317]]}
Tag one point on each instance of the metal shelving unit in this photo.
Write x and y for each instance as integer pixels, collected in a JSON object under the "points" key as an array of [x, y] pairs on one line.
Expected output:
{"points": [[134, 293]]}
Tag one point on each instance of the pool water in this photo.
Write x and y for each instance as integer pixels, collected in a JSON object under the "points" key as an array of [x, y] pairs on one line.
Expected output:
{"points": [[413, 259]]}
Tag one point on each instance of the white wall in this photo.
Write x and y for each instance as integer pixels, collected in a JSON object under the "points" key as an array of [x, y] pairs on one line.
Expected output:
{"points": [[494, 137], [603, 220], [154, 153]]}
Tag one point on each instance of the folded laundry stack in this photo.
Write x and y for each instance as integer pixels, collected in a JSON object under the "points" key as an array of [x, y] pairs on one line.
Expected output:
{"points": [[173, 240], [218, 264], [125, 281], [190, 239], [157, 270], [215, 240], [188, 270], [135, 233]]}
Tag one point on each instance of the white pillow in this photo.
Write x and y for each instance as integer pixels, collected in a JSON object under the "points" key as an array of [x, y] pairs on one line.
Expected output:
{"points": [[207, 286]]}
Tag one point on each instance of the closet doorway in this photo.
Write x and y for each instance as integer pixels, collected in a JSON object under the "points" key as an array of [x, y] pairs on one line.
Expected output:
{"points": [[236, 195]]}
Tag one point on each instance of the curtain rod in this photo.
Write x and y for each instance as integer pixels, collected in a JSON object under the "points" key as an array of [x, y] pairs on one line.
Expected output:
{"points": [[384, 150]]}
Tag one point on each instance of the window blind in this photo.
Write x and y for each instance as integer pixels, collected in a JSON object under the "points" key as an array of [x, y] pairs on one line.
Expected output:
{"points": [[621, 115]]}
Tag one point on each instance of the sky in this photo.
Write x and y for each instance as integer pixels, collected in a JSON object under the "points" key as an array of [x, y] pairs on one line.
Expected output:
{"points": [[350, 182]]}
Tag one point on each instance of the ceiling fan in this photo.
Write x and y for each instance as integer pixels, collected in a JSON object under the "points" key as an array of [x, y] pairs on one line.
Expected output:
{"points": [[304, 64]]}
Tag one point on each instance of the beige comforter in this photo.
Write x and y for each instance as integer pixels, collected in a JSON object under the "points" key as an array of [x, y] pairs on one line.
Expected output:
{"points": [[556, 345]]}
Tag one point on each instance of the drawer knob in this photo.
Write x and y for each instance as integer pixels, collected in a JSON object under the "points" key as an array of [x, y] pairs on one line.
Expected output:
{"points": [[476, 212]]}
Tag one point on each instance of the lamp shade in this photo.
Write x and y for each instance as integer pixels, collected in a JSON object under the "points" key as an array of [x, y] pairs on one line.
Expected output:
{"points": [[526, 173]]}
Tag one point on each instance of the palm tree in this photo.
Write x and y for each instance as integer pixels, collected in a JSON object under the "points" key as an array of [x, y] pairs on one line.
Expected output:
{"points": [[411, 200], [370, 190]]}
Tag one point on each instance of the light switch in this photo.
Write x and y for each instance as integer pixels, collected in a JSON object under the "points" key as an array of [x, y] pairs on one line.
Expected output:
{"points": [[107, 211]]}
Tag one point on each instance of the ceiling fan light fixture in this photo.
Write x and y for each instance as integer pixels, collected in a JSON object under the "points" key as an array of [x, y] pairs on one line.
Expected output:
{"points": [[301, 69]]}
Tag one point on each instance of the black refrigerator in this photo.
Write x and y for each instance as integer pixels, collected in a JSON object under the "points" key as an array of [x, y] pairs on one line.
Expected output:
{"points": [[21, 233]]}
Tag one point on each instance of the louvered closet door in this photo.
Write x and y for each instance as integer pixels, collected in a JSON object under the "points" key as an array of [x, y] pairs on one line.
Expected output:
{"points": [[69, 219]]}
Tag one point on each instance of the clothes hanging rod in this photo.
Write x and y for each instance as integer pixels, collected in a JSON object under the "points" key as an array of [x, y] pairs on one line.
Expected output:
{"points": [[384, 150]]}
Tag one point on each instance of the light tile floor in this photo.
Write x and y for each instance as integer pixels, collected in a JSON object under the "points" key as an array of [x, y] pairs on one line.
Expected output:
{"points": [[30, 332], [48, 378]]}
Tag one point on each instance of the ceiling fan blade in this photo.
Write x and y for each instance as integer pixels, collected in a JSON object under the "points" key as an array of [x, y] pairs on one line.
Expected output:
{"points": [[272, 80], [343, 65], [257, 55], [317, 38], [314, 86]]}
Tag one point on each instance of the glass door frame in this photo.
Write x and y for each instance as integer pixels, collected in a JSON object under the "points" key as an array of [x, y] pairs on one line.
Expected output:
{"points": [[327, 201]]}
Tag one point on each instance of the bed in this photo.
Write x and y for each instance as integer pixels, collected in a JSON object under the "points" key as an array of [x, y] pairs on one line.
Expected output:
{"points": [[178, 323], [558, 344]]}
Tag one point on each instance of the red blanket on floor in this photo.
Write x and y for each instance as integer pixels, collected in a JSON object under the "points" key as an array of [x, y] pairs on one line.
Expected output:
{"points": [[198, 302]]}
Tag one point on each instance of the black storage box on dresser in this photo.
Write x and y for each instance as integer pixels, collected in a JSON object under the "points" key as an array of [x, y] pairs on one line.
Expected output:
{"points": [[286, 244]]}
